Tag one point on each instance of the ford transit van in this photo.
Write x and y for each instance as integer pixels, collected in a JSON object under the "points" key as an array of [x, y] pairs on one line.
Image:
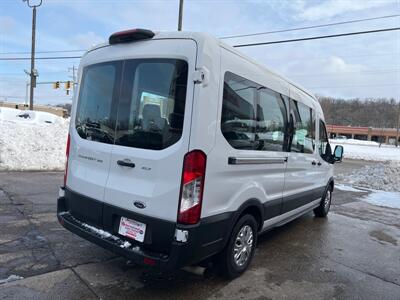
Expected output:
{"points": [[183, 150]]}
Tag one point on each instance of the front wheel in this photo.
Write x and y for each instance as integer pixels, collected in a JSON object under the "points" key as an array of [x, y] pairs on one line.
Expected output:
{"points": [[323, 209], [237, 255]]}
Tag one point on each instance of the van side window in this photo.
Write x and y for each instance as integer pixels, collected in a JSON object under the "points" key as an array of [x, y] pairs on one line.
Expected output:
{"points": [[303, 139], [271, 121], [95, 118], [238, 111], [152, 103]]}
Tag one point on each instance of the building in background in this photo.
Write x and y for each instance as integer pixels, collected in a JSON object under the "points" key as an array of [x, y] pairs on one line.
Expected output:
{"points": [[58, 111], [384, 135]]}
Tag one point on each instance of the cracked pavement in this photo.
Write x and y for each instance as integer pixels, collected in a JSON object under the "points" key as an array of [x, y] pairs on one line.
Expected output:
{"points": [[354, 253]]}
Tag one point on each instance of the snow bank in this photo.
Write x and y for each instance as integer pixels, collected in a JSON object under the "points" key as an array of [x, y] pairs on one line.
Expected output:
{"points": [[380, 176], [32, 140], [353, 142], [11, 278], [347, 188], [29, 117], [381, 180], [367, 150]]}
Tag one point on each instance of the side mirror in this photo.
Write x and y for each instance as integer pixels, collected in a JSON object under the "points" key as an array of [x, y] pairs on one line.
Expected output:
{"points": [[338, 153]]}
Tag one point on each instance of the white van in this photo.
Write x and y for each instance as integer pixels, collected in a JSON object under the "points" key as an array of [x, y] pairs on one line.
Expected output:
{"points": [[182, 150]]}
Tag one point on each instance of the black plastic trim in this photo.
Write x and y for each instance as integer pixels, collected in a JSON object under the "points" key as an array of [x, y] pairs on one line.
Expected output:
{"points": [[272, 208], [205, 238], [292, 202]]}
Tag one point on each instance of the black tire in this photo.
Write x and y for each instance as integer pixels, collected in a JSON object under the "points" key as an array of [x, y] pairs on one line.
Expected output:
{"points": [[323, 209], [229, 266]]}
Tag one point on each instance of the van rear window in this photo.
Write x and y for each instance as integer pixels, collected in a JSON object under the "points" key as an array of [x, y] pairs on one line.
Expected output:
{"points": [[152, 103], [94, 118], [136, 103]]}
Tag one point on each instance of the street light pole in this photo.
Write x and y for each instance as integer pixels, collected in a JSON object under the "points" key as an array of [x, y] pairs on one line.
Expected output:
{"points": [[180, 15], [398, 127], [33, 73]]}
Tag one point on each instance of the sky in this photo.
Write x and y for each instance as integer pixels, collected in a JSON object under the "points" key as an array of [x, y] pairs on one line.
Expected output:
{"points": [[362, 66]]}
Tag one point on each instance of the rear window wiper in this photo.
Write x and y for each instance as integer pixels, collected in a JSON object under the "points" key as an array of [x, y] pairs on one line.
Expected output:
{"points": [[91, 124], [95, 127]]}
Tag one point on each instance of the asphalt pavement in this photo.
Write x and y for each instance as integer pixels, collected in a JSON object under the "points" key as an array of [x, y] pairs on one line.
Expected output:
{"points": [[353, 254]]}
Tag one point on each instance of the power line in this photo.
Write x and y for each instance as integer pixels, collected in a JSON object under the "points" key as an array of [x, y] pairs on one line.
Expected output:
{"points": [[49, 57], [6, 96], [370, 72], [325, 57], [235, 36], [245, 45], [353, 85], [23, 74], [317, 37], [42, 52], [308, 27]]}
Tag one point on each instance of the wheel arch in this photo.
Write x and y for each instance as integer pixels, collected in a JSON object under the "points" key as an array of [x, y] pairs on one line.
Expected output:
{"points": [[331, 182], [253, 207]]}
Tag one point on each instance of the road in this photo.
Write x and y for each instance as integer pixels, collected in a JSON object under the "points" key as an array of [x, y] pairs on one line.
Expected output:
{"points": [[354, 253]]}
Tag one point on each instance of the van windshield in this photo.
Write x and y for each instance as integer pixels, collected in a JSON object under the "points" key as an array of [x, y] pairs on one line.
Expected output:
{"points": [[136, 103]]}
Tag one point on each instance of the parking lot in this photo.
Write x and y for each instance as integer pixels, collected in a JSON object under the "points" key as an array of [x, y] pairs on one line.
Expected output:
{"points": [[354, 253]]}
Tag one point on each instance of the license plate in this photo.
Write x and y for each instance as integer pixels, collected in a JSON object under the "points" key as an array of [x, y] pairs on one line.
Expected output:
{"points": [[132, 229]]}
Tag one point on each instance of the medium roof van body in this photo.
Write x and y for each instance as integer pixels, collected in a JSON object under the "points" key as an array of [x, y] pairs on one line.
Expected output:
{"points": [[181, 148]]}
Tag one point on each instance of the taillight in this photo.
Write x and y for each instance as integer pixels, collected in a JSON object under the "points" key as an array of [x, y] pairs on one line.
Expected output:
{"points": [[192, 185], [66, 162]]}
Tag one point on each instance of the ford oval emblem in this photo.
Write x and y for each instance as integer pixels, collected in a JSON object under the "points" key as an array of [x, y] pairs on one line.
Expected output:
{"points": [[139, 204]]}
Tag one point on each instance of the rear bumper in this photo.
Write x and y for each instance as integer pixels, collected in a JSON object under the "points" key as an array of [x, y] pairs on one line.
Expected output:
{"points": [[205, 239]]}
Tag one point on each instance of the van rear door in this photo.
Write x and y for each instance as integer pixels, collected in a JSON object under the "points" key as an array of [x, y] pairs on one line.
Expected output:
{"points": [[152, 128], [92, 130]]}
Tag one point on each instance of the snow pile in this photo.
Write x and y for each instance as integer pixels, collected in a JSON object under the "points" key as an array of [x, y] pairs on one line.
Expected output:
{"points": [[102, 233], [353, 142], [27, 116], [367, 150], [381, 176], [32, 140], [347, 188], [11, 278], [126, 244]]}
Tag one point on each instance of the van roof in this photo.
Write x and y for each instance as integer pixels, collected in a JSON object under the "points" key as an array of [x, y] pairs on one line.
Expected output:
{"points": [[203, 38]]}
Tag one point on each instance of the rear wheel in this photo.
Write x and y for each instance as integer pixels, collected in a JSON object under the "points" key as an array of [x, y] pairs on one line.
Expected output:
{"points": [[237, 255], [323, 209]]}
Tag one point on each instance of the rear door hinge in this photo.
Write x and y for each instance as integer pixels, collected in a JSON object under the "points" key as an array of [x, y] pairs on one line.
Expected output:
{"points": [[201, 75]]}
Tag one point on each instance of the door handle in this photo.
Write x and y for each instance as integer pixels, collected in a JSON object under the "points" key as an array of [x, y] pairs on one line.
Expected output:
{"points": [[126, 163], [313, 162], [319, 163]]}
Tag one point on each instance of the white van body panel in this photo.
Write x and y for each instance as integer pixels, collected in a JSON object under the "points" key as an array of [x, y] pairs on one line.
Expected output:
{"points": [[88, 166], [89, 162], [326, 170], [155, 180], [227, 186], [301, 173], [206, 94]]}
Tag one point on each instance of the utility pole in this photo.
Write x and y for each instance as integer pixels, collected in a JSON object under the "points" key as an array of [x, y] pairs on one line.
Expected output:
{"points": [[398, 126], [180, 15], [74, 74], [73, 69], [74, 82], [33, 73]]}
